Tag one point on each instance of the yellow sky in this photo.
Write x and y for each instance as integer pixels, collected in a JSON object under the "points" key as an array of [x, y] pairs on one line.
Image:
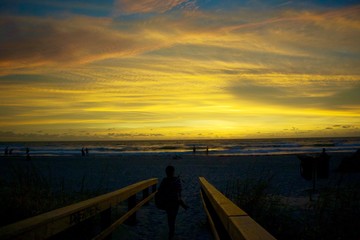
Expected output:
{"points": [[185, 75]]}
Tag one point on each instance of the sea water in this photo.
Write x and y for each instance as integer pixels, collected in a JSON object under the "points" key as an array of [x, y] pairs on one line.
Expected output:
{"points": [[181, 147]]}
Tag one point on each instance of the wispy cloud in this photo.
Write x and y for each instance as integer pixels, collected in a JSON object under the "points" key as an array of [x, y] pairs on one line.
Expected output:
{"points": [[188, 73], [31, 41], [329, 96], [291, 40], [146, 6]]}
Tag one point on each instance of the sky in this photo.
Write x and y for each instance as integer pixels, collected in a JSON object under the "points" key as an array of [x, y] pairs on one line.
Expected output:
{"points": [[178, 69]]}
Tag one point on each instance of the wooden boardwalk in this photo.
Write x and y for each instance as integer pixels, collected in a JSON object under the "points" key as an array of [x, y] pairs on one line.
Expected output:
{"points": [[51, 223], [227, 221]]}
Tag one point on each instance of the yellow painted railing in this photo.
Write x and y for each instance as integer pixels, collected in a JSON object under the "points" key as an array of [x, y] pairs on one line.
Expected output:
{"points": [[228, 221], [51, 223]]}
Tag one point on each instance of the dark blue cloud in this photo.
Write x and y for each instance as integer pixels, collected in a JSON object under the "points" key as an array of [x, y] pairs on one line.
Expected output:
{"points": [[270, 4], [287, 96], [106, 7], [29, 79], [47, 8]]}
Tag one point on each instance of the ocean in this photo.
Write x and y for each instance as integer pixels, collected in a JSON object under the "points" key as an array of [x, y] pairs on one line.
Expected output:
{"points": [[181, 147]]}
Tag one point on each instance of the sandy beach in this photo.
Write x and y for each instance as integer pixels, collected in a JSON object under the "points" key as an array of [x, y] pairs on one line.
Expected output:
{"points": [[111, 173]]}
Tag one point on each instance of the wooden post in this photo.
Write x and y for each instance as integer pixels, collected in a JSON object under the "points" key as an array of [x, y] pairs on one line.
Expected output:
{"points": [[131, 204], [145, 195], [314, 175], [105, 217]]}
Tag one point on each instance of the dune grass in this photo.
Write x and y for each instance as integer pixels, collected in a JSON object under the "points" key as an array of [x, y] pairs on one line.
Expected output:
{"points": [[332, 214], [30, 192]]}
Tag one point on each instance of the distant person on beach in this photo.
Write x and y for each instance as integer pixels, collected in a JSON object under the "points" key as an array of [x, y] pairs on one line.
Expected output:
{"points": [[82, 152], [87, 151], [170, 187], [6, 151], [207, 150], [323, 165], [324, 154], [194, 149], [28, 154]]}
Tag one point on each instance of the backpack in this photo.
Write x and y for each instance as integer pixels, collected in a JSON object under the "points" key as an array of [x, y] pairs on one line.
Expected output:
{"points": [[160, 201], [166, 196]]}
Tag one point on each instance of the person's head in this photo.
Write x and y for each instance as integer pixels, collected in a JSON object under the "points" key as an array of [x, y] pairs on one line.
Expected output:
{"points": [[170, 171]]}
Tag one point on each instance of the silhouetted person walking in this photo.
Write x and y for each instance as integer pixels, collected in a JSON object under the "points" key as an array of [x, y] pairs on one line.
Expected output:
{"points": [[82, 152], [87, 151], [171, 190]]}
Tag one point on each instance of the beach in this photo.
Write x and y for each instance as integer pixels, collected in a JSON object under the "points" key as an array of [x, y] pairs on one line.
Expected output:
{"points": [[110, 173]]}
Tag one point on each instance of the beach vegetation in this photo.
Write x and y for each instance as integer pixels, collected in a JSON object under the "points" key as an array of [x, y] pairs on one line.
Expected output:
{"points": [[332, 213], [29, 192]]}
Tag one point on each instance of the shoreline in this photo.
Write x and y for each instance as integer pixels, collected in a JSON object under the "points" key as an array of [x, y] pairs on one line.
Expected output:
{"points": [[181, 154], [220, 147]]}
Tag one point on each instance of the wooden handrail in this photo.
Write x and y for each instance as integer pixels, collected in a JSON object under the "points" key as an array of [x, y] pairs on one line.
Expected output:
{"points": [[122, 219], [227, 220], [48, 224]]}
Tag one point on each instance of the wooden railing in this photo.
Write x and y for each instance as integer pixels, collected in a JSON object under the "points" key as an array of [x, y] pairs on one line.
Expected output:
{"points": [[228, 221], [57, 221]]}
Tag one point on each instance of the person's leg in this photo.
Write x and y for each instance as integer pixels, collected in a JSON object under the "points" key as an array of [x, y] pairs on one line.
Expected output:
{"points": [[171, 214]]}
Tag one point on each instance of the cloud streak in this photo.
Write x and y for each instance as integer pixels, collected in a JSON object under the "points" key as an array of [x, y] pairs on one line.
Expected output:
{"points": [[146, 6], [322, 97], [176, 71], [34, 41], [30, 42]]}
